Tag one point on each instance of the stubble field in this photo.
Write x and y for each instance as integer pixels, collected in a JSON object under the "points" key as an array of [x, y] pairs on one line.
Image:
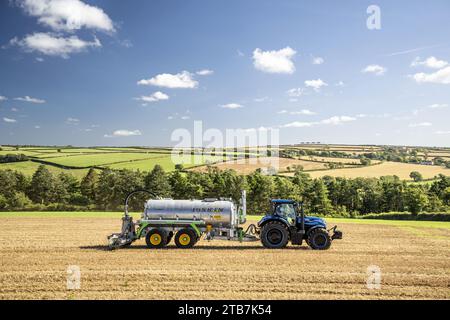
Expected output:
{"points": [[35, 252]]}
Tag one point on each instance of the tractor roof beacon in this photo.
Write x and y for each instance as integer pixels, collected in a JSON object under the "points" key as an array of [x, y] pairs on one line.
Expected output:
{"points": [[187, 221]]}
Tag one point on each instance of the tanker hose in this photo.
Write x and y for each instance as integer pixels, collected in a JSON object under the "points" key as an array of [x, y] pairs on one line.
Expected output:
{"points": [[251, 230], [134, 192]]}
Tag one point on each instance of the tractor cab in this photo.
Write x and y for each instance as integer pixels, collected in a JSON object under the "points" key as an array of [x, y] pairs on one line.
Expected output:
{"points": [[285, 209]]}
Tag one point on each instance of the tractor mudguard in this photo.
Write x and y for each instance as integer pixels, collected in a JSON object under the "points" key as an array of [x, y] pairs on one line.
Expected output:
{"points": [[267, 219], [313, 228]]}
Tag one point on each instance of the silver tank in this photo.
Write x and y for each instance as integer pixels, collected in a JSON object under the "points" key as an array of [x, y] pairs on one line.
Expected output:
{"points": [[217, 213]]}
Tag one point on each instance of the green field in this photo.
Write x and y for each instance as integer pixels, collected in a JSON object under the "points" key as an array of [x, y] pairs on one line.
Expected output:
{"points": [[251, 218], [164, 161], [28, 168], [143, 159], [101, 159]]}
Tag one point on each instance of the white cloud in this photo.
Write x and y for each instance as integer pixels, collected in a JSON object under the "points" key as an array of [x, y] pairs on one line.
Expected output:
{"points": [[240, 53], [9, 120], [67, 15], [441, 76], [303, 112], [430, 62], [37, 127], [232, 106], [262, 99], [262, 128], [125, 43], [14, 109], [30, 99], [336, 120], [318, 60], [274, 61], [176, 115], [205, 72], [54, 45], [375, 69], [315, 84], [3, 98], [295, 92], [379, 116], [441, 132], [298, 124], [409, 51], [39, 59], [421, 124], [438, 106], [167, 80], [124, 133], [340, 84], [72, 121], [156, 96]]}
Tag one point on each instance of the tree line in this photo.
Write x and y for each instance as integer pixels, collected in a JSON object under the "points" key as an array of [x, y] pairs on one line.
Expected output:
{"points": [[106, 190]]}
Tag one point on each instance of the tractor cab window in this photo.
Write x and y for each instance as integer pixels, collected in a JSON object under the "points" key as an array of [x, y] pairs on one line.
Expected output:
{"points": [[286, 210]]}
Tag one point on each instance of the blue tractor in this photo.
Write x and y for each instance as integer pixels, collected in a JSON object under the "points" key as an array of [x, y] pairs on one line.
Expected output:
{"points": [[287, 222]]}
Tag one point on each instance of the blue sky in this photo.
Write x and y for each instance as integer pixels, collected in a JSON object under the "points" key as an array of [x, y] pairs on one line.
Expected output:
{"points": [[130, 73]]}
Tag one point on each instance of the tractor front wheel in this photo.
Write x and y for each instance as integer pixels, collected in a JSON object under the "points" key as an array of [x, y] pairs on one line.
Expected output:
{"points": [[319, 239], [274, 235], [156, 238]]}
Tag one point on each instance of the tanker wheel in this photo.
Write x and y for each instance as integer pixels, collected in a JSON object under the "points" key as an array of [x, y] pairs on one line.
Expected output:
{"points": [[185, 238], [156, 238], [274, 235], [319, 239]]}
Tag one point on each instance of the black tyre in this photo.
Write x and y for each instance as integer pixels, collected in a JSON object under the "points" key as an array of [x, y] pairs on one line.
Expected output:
{"points": [[319, 239], [169, 237], [156, 238], [185, 238], [274, 235]]}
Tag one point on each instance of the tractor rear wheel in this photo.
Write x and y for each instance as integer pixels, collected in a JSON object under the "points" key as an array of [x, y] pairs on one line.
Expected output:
{"points": [[156, 238], [319, 239], [274, 235], [185, 238]]}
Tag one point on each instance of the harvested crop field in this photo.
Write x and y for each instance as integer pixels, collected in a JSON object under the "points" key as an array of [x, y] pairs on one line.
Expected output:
{"points": [[335, 160], [402, 170], [247, 166], [36, 251]]}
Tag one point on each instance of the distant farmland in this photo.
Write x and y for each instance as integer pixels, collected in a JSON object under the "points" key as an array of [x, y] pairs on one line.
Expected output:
{"points": [[402, 170], [314, 159], [246, 166], [78, 160]]}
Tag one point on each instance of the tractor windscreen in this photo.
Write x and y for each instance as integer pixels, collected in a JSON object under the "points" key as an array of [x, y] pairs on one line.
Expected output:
{"points": [[286, 210]]}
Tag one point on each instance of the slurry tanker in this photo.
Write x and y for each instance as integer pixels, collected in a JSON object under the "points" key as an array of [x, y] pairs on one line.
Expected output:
{"points": [[188, 221]]}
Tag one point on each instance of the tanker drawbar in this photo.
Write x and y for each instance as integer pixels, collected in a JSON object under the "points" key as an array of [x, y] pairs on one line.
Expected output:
{"points": [[188, 221]]}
